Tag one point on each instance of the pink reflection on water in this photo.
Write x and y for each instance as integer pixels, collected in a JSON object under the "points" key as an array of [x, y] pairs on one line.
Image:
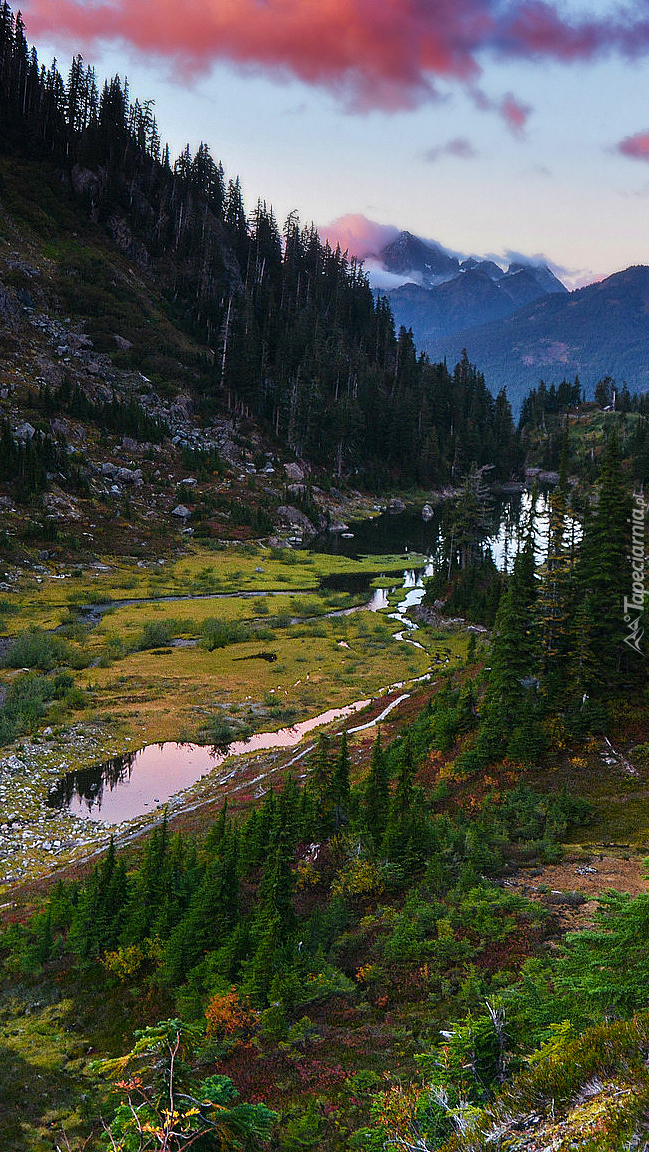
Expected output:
{"points": [[159, 771]]}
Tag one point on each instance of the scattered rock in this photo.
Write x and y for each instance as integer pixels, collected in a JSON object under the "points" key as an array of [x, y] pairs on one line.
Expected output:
{"points": [[295, 472], [8, 306], [181, 511]]}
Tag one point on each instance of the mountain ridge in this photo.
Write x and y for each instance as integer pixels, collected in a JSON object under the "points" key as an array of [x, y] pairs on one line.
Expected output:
{"points": [[598, 330]]}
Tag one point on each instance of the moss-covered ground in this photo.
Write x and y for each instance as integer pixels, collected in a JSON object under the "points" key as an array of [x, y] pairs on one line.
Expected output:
{"points": [[142, 668]]}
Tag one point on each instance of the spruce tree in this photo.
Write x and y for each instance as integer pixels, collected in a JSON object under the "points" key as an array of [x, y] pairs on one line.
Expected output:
{"points": [[377, 795], [605, 578], [340, 784], [321, 781], [554, 606]]}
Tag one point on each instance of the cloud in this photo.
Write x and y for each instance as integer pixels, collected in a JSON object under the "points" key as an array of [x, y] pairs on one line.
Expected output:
{"points": [[460, 147], [571, 277], [389, 55], [513, 111], [637, 146], [358, 235], [383, 281]]}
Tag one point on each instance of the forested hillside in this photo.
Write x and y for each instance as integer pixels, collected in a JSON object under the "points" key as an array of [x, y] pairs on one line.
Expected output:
{"points": [[413, 917], [287, 328]]}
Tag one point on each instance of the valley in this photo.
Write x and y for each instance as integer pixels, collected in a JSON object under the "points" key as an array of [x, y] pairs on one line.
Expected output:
{"points": [[324, 721], [150, 674]]}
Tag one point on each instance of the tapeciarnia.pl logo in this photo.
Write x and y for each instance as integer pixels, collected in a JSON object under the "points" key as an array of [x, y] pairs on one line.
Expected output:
{"points": [[634, 605]]}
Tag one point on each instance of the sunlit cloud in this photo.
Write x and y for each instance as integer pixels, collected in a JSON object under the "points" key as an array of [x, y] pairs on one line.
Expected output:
{"points": [[358, 235], [636, 147], [514, 113], [391, 55]]}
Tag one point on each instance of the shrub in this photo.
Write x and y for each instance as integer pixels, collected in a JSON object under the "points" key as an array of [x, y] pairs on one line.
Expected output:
{"points": [[37, 649], [158, 633], [24, 706], [221, 633]]}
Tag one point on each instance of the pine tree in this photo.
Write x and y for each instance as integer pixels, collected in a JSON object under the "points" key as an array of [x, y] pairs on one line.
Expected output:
{"points": [[340, 784], [514, 652], [554, 605], [377, 795], [604, 579]]}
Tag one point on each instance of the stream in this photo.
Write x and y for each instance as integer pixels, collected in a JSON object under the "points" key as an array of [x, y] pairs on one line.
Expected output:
{"points": [[140, 782]]}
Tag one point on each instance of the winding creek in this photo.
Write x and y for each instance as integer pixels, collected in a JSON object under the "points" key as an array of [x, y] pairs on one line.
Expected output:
{"points": [[140, 782]]}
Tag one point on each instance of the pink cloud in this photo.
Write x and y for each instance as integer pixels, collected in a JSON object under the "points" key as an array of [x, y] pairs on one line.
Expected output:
{"points": [[388, 54], [637, 146], [459, 147], [513, 111], [358, 235]]}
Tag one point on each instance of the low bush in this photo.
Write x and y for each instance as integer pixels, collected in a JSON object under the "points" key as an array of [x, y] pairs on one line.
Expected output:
{"points": [[24, 706], [37, 649], [221, 633]]}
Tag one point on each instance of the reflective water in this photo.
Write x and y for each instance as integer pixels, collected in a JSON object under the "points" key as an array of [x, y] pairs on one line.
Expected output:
{"points": [[142, 781]]}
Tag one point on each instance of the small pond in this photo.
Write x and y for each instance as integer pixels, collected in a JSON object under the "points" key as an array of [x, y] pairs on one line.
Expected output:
{"points": [[139, 782]]}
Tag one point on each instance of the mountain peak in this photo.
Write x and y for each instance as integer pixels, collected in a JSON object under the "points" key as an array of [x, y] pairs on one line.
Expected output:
{"points": [[543, 275], [423, 261]]}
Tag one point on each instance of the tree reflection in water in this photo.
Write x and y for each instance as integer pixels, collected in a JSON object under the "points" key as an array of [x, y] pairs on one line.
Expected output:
{"points": [[89, 784]]}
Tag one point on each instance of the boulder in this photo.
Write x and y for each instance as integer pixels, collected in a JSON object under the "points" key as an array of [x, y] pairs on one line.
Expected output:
{"points": [[295, 472], [181, 511], [296, 519], [85, 182]]}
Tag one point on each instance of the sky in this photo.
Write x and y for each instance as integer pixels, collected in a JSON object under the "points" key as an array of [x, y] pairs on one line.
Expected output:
{"points": [[499, 128]]}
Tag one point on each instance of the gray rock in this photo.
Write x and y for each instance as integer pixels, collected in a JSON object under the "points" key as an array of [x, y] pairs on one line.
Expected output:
{"points": [[181, 511], [295, 472], [8, 306], [85, 182], [296, 519]]}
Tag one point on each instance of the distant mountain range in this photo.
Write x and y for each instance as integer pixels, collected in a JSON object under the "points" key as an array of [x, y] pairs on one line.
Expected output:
{"points": [[520, 324]]}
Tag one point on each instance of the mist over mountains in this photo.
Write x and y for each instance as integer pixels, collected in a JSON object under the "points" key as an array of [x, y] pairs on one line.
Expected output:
{"points": [[520, 324]]}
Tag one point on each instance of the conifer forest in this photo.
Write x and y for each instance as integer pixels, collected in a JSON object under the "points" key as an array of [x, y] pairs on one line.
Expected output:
{"points": [[383, 640]]}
